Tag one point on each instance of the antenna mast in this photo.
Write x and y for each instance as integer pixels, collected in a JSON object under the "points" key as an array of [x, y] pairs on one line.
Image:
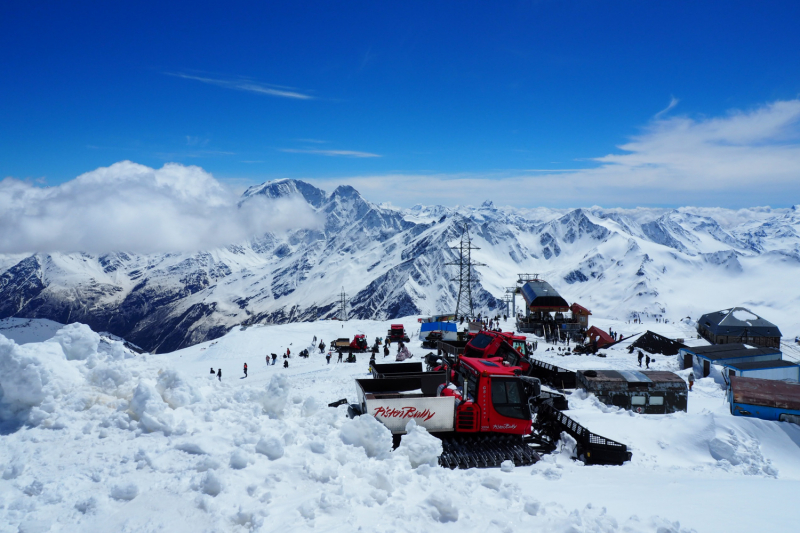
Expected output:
{"points": [[343, 306], [464, 279]]}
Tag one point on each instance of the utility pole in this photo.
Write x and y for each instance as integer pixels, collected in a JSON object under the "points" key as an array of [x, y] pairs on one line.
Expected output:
{"points": [[343, 306], [464, 263], [511, 295], [507, 302]]}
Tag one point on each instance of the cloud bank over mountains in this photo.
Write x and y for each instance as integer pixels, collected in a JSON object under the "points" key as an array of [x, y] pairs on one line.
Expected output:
{"points": [[134, 208]]}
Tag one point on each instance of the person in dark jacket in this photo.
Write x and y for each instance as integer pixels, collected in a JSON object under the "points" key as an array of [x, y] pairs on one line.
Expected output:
{"points": [[647, 361], [321, 346], [286, 363], [385, 350], [245, 370], [219, 374], [340, 356], [212, 370], [641, 356]]}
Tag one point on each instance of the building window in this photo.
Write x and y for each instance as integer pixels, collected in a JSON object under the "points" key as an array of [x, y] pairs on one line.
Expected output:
{"points": [[637, 400], [656, 400]]}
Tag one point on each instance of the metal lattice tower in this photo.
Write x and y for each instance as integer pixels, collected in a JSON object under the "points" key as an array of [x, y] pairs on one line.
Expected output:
{"points": [[464, 279], [343, 306]]}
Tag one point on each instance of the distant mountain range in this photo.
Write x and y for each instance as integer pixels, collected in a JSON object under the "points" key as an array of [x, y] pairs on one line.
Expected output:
{"points": [[392, 262]]}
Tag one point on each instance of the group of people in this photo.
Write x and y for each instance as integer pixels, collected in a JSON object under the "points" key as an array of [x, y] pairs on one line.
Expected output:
{"points": [[646, 359]]}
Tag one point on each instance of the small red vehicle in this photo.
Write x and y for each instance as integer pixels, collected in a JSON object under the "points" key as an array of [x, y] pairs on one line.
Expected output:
{"points": [[397, 333], [344, 344]]}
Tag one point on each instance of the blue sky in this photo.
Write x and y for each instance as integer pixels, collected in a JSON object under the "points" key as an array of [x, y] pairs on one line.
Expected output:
{"points": [[478, 97]]}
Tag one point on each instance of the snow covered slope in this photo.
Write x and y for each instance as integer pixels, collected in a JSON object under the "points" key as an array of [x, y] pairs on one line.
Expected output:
{"points": [[392, 263], [96, 438]]}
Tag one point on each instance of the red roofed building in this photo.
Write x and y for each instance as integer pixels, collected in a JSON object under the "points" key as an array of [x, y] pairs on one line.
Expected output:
{"points": [[581, 313]]}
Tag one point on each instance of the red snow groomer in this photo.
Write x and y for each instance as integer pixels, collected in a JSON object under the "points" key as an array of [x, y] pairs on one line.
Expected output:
{"points": [[482, 421], [344, 344], [359, 343], [397, 333], [484, 416]]}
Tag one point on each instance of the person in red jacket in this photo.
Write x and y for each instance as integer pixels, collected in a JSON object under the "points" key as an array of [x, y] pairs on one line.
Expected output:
{"points": [[245, 370]]}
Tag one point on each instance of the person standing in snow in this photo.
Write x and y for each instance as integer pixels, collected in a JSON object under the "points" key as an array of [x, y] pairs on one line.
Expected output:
{"points": [[274, 358], [691, 380], [288, 352], [340, 356], [267, 359], [385, 350], [328, 357], [641, 356], [321, 346], [245, 370], [315, 339], [647, 360], [285, 363], [219, 374]]}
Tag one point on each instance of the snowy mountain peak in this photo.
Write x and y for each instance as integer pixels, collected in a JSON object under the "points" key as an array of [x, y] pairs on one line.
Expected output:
{"points": [[284, 188]]}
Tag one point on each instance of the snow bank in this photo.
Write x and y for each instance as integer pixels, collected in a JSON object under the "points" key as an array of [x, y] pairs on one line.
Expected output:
{"points": [[275, 397], [419, 446], [32, 376], [150, 409], [77, 340], [272, 447], [175, 389], [368, 433]]}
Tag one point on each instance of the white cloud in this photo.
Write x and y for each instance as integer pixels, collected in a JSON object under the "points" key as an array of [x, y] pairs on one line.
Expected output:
{"points": [[330, 153], [244, 84], [134, 208], [740, 159], [672, 103]]}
